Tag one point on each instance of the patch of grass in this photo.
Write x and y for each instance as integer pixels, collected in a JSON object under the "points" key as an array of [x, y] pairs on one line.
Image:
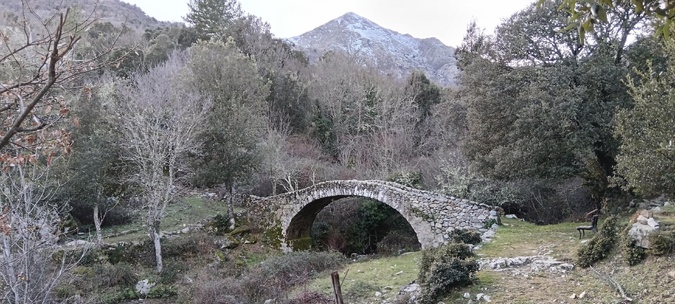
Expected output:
{"points": [[386, 275], [485, 281], [184, 212], [520, 238], [666, 217]]}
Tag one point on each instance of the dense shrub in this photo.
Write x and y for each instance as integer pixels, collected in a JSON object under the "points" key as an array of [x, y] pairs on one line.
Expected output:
{"points": [[220, 224], [172, 271], [632, 253], [662, 242], [136, 253], [539, 201], [187, 245], [296, 267], [162, 291], [211, 288], [311, 297], [268, 279], [444, 269], [118, 275], [600, 245], [65, 291], [466, 236]]}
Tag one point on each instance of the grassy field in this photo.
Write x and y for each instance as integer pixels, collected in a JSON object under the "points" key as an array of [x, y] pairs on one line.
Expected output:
{"points": [[649, 282], [362, 279], [185, 212]]}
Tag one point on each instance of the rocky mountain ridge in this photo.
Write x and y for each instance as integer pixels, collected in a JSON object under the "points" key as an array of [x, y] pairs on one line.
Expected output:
{"points": [[391, 52], [114, 11]]}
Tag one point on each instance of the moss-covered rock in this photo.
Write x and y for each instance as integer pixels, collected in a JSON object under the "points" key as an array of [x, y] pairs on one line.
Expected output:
{"points": [[273, 236]]}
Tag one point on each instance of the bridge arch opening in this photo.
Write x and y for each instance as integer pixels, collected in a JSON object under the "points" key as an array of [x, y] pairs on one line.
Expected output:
{"points": [[351, 224]]}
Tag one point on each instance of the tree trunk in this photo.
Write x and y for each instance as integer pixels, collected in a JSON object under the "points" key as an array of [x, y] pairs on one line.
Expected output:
{"points": [[97, 224], [274, 186], [155, 236], [230, 208], [11, 277]]}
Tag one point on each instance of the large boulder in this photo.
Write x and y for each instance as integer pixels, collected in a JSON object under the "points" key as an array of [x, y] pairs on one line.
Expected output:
{"points": [[644, 225]]}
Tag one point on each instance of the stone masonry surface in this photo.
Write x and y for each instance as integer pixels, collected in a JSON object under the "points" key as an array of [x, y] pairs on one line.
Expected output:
{"points": [[433, 216]]}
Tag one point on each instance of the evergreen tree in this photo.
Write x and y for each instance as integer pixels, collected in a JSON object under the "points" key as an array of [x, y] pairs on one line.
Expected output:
{"points": [[541, 104], [647, 131], [230, 153], [211, 18]]}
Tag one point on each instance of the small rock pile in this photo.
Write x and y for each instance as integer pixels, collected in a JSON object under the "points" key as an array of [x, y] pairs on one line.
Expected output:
{"points": [[413, 291], [536, 263], [644, 225], [652, 204]]}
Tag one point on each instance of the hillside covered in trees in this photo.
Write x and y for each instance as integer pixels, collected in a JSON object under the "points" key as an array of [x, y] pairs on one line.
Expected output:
{"points": [[108, 121]]}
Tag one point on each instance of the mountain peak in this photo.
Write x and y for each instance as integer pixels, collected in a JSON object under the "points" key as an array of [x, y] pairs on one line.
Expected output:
{"points": [[386, 50], [350, 15], [352, 18]]}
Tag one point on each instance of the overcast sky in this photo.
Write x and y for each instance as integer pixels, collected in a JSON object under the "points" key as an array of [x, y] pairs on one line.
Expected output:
{"points": [[443, 19]]}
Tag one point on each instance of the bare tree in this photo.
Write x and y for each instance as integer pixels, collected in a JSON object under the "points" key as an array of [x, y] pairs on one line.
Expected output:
{"points": [[158, 119], [283, 166], [368, 116], [28, 236], [38, 60]]}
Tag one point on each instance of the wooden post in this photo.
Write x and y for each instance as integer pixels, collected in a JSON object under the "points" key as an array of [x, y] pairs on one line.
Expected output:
{"points": [[337, 289]]}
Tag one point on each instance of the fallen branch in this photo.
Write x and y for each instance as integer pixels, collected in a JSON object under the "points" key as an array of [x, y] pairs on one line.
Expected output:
{"points": [[613, 283]]}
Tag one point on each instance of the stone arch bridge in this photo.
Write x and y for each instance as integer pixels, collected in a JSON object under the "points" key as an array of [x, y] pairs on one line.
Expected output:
{"points": [[432, 216]]}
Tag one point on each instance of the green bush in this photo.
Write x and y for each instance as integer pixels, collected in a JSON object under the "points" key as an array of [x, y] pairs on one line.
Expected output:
{"points": [[90, 257], [428, 258], [488, 224], [180, 247], [120, 274], [116, 296], [211, 287], [632, 253], [65, 291], [172, 271], [162, 291], [143, 253], [466, 236], [662, 242], [444, 269], [600, 245], [220, 224]]}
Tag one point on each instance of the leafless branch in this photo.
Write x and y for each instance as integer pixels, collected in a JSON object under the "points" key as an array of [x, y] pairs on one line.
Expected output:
{"points": [[42, 65], [613, 283]]}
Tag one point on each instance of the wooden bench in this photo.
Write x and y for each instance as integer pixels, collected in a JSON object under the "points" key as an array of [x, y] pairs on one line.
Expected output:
{"points": [[593, 227]]}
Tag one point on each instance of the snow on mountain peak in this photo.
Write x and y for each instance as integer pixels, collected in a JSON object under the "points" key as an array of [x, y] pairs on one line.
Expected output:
{"points": [[387, 50]]}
